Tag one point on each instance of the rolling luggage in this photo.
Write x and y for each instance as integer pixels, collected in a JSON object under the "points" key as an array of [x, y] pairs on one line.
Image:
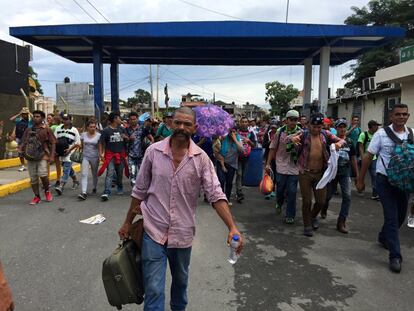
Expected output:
{"points": [[122, 275]]}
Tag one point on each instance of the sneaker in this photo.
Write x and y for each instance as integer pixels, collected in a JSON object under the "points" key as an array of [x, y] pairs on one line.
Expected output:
{"points": [[315, 224], [22, 169], [268, 196], [289, 220], [273, 194], [395, 265], [375, 197], [48, 196], [75, 185], [308, 232], [59, 190], [120, 191], [104, 197], [278, 209], [35, 200], [57, 183], [410, 221], [82, 196]]}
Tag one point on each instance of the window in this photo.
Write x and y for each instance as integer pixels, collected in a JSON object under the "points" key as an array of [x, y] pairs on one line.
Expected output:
{"points": [[90, 89]]}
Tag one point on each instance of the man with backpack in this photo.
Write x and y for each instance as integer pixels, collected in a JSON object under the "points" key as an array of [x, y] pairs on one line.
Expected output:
{"points": [[363, 143], [287, 170], [249, 141], [394, 147], [68, 139], [38, 146], [313, 149], [22, 121]]}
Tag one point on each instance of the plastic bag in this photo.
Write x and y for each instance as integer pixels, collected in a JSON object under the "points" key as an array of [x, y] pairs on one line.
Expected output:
{"points": [[266, 185]]}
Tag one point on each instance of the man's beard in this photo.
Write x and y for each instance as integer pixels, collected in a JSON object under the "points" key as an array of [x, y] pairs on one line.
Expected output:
{"points": [[181, 134]]}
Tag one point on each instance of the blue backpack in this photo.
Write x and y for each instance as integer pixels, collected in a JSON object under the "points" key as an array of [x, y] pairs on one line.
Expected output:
{"points": [[400, 170]]}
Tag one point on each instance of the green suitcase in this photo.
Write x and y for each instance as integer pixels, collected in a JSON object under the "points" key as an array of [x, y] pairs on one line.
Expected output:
{"points": [[122, 275]]}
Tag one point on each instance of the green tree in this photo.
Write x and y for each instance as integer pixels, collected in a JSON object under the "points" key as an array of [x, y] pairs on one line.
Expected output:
{"points": [[33, 75], [380, 13], [279, 96], [141, 97]]}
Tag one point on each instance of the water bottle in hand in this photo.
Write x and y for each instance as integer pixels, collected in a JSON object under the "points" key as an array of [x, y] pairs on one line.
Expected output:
{"points": [[233, 247]]}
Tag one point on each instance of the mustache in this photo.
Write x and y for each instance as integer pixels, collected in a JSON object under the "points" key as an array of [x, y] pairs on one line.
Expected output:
{"points": [[181, 132]]}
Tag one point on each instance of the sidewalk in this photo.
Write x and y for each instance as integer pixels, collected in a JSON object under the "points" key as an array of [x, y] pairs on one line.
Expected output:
{"points": [[11, 180]]}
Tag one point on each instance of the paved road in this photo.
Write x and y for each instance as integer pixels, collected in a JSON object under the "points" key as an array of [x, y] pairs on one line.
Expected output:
{"points": [[53, 262]]}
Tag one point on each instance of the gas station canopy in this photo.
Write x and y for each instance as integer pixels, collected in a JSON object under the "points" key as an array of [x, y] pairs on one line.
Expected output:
{"points": [[207, 43]]}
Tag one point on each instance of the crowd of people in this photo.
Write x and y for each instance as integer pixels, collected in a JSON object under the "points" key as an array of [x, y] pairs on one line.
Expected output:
{"points": [[169, 164]]}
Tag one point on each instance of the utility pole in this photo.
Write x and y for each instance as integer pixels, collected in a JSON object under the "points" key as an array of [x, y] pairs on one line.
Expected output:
{"points": [[152, 93], [287, 11], [158, 80]]}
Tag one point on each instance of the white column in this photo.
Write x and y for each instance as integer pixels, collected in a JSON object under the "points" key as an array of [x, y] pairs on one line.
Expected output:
{"points": [[307, 81], [325, 56]]}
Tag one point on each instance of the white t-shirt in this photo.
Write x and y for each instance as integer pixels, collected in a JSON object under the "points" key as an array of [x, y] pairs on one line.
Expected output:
{"points": [[383, 147], [73, 137]]}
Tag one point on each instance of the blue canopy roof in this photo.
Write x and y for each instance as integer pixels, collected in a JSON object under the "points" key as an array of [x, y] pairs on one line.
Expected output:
{"points": [[207, 43]]}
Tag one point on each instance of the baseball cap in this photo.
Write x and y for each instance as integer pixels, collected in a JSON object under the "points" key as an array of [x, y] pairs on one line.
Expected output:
{"points": [[292, 114], [66, 116], [316, 119], [373, 123], [340, 122], [25, 110]]}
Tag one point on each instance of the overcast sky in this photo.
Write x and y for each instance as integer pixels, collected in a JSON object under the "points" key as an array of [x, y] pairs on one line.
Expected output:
{"points": [[239, 84]]}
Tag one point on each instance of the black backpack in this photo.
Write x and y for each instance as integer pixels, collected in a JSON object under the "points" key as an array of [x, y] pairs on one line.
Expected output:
{"points": [[34, 150]]}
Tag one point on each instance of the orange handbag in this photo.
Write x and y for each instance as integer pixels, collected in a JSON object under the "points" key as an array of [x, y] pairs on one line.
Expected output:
{"points": [[267, 185]]}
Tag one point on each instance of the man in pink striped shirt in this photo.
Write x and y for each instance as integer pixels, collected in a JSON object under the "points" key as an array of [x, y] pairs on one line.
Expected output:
{"points": [[166, 193]]}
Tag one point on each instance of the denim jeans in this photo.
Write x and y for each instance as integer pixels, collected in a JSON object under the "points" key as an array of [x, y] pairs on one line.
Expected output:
{"points": [[110, 171], [154, 265], [240, 175], [287, 184], [67, 171], [373, 174], [345, 184], [394, 204], [226, 179], [134, 164], [94, 164]]}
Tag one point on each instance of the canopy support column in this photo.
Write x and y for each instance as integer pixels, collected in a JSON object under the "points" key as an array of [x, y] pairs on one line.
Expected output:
{"points": [[325, 56], [98, 81], [307, 81], [114, 86]]}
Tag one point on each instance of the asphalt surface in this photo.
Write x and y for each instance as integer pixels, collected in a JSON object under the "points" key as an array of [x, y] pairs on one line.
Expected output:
{"points": [[53, 262]]}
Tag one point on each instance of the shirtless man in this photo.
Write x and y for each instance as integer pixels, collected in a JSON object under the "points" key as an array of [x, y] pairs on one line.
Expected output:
{"points": [[313, 148]]}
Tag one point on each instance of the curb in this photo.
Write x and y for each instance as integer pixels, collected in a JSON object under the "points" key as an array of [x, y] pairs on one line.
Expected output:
{"points": [[25, 183], [6, 163]]}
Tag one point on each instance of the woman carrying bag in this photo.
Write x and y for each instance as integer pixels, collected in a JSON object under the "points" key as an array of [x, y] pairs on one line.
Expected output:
{"points": [[90, 157], [231, 147]]}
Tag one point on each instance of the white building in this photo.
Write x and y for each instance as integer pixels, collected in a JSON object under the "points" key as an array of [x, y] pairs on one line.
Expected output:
{"points": [[75, 97], [401, 74]]}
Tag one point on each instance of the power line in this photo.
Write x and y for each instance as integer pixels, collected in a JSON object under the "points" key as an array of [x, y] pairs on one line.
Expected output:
{"points": [[86, 12], [64, 8], [209, 10], [99, 12]]}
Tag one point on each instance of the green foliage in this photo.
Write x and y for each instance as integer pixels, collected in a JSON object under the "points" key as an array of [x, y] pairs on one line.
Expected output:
{"points": [[380, 13], [33, 75], [279, 96], [141, 97]]}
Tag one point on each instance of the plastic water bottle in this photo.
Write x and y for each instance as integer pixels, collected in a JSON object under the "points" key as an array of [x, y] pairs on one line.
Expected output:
{"points": [[233, 247]]}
